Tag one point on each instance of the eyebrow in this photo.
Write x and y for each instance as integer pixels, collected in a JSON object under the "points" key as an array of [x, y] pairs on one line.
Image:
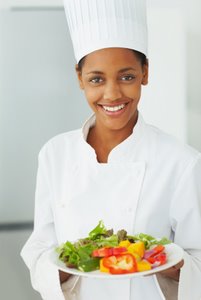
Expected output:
{"points": [[120, 71], [127, 69]]}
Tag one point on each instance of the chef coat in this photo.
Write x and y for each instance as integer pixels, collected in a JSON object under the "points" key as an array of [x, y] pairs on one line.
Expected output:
{"points": [[151, 184]]}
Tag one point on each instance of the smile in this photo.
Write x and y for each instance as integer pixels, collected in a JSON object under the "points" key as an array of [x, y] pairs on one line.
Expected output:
{"points": [[114, 108]]}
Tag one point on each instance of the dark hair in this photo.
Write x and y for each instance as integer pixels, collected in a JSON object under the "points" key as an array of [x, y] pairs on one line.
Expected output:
{"points": [[140, 56]]}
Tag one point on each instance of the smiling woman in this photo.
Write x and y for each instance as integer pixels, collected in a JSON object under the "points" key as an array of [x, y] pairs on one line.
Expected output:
{"points": [[111, 79], [116, 168]]}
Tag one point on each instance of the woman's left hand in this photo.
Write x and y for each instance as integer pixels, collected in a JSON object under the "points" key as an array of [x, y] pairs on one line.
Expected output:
{"points": [[174, 271]]}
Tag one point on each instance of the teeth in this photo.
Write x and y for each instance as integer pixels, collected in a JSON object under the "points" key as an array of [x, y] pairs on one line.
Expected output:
{"points": [[114, 108]]}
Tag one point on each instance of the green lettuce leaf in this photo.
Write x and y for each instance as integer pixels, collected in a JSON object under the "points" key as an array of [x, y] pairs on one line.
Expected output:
{"points": [[100, 229]]}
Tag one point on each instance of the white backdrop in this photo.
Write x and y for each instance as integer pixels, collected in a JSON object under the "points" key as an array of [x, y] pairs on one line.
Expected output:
{"points": [[164, 99], [39, 95], [39, 98]]}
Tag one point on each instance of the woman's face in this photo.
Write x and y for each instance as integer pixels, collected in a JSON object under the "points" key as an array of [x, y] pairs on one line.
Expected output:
{"points": [[111, 79]]}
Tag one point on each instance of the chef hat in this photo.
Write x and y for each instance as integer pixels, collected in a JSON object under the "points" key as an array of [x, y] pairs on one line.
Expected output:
{"points": [[98, 24]]}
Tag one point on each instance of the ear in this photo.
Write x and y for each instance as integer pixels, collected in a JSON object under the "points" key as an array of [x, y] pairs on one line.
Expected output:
{"points": [[145, 73], [79, 76]]}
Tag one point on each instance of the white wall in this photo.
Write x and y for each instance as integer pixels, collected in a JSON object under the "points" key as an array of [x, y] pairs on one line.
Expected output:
{"points": [[164, 99], [39, 95], [39, 98], [193, 80], [189, 12], [29, 3]]}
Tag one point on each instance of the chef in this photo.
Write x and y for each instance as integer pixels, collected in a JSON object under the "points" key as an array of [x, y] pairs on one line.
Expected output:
{"points": [[116, 168]]}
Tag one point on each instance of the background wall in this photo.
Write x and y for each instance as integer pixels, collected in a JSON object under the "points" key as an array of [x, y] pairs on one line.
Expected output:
{"points": [[39, 94], [164, 101], [192, 14], [39, 98]]}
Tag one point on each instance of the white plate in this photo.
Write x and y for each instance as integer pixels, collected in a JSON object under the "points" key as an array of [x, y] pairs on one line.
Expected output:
{"points": [[174, 255]]}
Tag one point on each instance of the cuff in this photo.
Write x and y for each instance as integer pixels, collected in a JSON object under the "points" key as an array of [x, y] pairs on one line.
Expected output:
{"points": [[45, 278], [70, 288]]}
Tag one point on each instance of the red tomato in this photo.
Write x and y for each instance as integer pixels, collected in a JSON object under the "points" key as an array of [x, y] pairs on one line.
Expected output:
{"points": [[120, 264]]}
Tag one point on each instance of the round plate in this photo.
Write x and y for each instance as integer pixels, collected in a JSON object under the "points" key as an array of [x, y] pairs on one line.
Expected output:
{"points": [[174, 255]]}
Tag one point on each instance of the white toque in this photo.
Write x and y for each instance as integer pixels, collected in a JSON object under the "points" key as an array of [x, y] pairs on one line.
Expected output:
{"points": [[98, 24]]}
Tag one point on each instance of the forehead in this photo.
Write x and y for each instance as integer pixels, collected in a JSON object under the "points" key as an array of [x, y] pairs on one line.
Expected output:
{"points": [[111, 58]]}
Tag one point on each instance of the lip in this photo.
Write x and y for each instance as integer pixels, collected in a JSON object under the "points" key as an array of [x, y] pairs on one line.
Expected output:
{"points": [[113, 104]]}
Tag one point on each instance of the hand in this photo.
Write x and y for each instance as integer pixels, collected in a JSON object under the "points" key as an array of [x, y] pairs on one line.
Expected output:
{"points": [[63, 276], [174, 271]]}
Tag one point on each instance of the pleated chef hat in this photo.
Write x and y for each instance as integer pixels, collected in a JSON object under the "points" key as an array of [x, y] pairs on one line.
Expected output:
{"points": [[98, 24]]}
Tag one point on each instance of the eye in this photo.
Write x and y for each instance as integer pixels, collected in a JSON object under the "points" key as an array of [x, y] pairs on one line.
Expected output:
{"points": [[96, 80], [127, 77]]}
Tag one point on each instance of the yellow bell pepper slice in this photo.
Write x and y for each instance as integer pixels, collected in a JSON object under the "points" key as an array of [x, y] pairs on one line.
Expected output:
{"points": [[143, 265], [137, 248], [125, 244], [102, 267]]}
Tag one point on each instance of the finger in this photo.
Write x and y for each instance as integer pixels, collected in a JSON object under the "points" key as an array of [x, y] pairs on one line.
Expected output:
{"points": [[176, 267], [179, 265]]}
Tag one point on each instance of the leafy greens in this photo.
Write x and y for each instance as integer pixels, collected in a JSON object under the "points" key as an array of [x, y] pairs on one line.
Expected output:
{"points": [[78, 254]]}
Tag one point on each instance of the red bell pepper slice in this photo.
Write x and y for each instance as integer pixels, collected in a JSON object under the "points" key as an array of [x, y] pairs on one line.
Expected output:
{"points": [[120, 264], [119, 250], [102, 252], [158, 259], [105, 252], [156, 250]]}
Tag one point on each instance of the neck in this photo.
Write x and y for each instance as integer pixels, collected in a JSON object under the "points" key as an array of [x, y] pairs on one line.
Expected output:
{"points": [[103, 140]]}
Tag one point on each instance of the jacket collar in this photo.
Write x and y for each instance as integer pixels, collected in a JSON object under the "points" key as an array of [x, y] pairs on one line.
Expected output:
{"points": [[125, 149]]}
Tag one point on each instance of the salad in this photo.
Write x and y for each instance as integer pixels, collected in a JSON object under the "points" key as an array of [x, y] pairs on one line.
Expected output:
{"points": [[112, 253]]}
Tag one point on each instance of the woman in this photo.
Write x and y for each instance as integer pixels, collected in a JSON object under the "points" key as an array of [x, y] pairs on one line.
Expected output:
{"points": [[117, 168]]}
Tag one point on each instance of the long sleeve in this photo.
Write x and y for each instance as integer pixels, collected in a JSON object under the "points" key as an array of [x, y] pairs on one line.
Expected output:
{"points": [[186, 222], [44, 275]]}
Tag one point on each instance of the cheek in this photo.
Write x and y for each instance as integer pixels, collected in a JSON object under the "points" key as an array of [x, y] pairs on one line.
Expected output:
{"points": [[133, 91], [92, 95], [89, 96]]}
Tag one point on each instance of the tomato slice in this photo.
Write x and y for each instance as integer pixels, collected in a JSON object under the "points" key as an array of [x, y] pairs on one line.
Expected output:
{"points": [[120, 264]]}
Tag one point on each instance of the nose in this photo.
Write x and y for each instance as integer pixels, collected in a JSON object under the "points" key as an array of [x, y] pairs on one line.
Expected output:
{"points": [[112, 91]]}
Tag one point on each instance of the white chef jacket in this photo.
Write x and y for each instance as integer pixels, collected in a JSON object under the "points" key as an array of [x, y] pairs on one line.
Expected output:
{"points": [[151, 184]]}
